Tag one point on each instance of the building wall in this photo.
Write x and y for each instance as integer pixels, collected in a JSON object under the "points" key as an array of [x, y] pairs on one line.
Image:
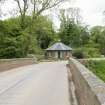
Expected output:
{"points": [[54, 54]]}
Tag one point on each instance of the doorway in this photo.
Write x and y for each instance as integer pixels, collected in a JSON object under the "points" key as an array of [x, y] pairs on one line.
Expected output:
{"points": [[59, 54]]}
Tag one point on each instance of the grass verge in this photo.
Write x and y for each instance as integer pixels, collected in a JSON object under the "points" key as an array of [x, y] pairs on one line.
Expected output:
{"points": [[97, 67]]}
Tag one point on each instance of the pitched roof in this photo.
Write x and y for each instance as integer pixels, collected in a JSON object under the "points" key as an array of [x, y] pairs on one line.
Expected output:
{"points": [[59, 46]]}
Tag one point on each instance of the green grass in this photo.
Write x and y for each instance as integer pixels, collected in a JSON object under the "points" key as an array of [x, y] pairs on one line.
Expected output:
{"points": [[98, 68]]}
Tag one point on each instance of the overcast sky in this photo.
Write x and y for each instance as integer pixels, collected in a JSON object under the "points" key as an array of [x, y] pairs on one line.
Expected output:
{"points": [[91, 10]]}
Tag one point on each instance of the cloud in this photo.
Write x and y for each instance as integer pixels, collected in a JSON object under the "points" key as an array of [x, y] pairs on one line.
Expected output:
{"points": [[92, 11]]}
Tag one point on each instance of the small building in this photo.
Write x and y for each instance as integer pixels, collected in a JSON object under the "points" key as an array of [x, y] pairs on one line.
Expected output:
{"points": [[58, 51]]}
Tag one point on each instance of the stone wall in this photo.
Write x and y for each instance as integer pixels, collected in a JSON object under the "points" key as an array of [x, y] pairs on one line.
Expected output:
{"points": [[89, 89], [7, 64]]}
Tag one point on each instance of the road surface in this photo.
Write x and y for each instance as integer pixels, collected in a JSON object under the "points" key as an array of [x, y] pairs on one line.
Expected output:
{"points": [[39, 84]]}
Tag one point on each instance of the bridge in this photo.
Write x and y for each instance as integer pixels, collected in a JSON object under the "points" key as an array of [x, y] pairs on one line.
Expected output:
{"points": [[39, 84], [51, 83]]}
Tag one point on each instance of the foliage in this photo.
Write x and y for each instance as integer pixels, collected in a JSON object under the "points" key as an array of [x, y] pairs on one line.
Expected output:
{"points": [[97, 67], [85, 52], [101, 40], [88, 43], [78, 53], [72, 33], [44, 32], [36, 6], [20, 38], [95, 33], [18, 42], [98, 38], [25, 35]]}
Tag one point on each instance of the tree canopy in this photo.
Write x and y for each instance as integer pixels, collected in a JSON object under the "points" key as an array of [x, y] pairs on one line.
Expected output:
{"points": [[15, 41], [32, 34]]}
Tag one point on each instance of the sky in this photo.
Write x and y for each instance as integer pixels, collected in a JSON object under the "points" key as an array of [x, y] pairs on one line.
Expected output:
{"points": [[91, 11]]}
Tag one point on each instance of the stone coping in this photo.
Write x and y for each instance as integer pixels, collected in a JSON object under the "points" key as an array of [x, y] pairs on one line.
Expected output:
{"points": [[7, 64], [96, 85], [15, 59]]}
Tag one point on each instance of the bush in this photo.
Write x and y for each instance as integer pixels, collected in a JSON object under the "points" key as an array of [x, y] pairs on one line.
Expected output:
{"points": [[97, 67], [91, 52], [84, 52], [78, 53]]}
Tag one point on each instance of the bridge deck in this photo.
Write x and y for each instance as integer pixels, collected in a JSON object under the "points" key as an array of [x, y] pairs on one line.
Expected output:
{"points": [[40, 84]]}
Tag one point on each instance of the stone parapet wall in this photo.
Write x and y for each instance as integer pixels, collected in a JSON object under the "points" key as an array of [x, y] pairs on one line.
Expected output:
{"points": [[7, 64], [90, 90]]}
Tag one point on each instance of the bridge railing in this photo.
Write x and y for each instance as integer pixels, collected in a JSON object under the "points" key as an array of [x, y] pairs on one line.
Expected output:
{"points": [[6, 64], [89, 89]]}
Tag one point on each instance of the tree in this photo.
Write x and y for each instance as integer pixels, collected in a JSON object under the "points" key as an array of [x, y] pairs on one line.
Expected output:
{"points": [[44, 31], [1, 3], [101, 42], [39, 6], [42, 5], [96, 32], [84, 35], [70, 34], [71, 31], [10, 32], [98, 38], [23, 10], [15, 41], [74, 14]]}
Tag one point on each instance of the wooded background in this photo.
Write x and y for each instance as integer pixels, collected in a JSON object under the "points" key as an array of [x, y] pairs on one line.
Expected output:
{"points": [[32, 33]]}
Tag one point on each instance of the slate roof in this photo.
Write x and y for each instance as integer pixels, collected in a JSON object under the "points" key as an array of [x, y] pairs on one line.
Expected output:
{"points": [[59, 47]]}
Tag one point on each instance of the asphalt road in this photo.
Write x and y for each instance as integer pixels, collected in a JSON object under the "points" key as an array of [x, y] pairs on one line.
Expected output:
{"points": [[39, 84]]}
